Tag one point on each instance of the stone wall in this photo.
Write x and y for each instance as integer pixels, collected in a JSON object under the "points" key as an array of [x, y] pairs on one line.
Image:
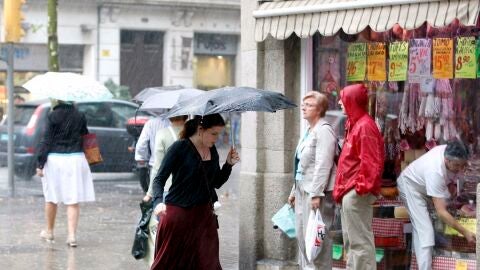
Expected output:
{"points": [[268, 145]]}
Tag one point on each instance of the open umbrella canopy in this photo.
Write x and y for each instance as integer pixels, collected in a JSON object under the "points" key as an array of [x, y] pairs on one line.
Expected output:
{"points": [[67, 86], [147, 92], [167, 99], [232, 99]]}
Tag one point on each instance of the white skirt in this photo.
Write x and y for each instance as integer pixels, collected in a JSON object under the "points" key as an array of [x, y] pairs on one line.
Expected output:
{"points": [[67, 179]]}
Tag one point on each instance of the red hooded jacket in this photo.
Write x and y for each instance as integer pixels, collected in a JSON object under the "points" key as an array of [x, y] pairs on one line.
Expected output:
{"points": [[360, 165]]}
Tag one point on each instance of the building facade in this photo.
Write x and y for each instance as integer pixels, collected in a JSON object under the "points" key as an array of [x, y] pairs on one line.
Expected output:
{"points": [[138, 44]]}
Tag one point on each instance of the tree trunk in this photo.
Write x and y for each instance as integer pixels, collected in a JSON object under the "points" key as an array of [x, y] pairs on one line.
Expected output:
{"points": [[52, 36]]}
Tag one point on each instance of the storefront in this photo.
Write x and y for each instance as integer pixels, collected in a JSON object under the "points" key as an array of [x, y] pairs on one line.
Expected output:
{"points": [[214, 67], [30, 60], [419, 60], [214, 60]]}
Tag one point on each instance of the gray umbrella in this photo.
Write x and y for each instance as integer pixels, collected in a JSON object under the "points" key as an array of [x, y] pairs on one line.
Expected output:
{"points": [[232, 99], [147, 92]]}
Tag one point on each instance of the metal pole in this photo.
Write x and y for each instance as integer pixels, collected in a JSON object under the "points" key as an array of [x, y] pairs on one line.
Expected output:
{"points": [[10, 119]]}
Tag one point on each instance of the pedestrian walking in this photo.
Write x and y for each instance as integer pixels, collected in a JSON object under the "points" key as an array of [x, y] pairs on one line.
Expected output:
{"points": [[72, 184], [163, 140], [315, 171], [426, 180], [358, 179], [144, 149], [187, 236]]}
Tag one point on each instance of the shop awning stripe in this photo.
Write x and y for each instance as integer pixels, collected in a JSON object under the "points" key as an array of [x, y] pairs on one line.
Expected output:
{"points": [[281, 19]]}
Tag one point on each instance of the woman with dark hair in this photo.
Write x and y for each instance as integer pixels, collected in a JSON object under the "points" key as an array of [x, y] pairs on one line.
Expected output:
{"points": [[187, 236]]}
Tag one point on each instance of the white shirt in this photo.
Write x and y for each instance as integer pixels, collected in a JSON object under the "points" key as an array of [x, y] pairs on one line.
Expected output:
{"points": [[428, 174], [144, 150]]}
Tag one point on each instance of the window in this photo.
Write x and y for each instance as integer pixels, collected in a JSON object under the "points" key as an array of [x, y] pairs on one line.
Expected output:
{"points": [[152, 38], [122, 113], [98, 114], [23, 115]]}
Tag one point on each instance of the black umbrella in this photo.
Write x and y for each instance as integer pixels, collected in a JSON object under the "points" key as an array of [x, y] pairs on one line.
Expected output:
{"points": [[232, 99]]}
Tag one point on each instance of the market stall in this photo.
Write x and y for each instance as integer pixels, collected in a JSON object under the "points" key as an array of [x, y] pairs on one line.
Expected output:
{"points": [[423, 92], [420, 61]]}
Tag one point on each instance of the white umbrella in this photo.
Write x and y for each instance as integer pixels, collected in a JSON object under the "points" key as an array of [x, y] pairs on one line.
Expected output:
{"points": [[168, 99], [150, 91], [67, 86]]}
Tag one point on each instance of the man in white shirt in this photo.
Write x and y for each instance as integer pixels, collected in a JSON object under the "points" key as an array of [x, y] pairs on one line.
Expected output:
{"points": [[427, 178], [144, 149]]}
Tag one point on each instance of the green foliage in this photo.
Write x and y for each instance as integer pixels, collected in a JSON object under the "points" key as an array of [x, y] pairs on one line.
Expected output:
{"points": [[118, 91]]}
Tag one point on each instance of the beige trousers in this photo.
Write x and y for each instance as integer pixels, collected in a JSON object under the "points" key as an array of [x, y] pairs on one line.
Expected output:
{"points": [[152, 235], [302, 211], [357, 215]]}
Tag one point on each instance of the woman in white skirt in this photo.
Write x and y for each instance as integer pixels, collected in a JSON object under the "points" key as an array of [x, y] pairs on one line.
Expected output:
{"points": [[66, 176]]}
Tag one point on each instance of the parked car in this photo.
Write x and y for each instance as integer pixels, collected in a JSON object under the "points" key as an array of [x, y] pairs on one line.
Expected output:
{"points": [[107, 119]]}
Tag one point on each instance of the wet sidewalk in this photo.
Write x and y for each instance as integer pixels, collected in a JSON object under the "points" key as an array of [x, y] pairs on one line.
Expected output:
{"points": [[105, 233]]}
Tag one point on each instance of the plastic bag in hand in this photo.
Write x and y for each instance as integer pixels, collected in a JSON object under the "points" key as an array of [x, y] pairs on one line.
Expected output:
{"points": [[284, 219], [314, 235], [140, 243]]}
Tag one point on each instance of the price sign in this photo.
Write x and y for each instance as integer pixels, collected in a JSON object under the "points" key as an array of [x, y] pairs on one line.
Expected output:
{"points": [[442, 58], [420, 54], [376, 58], [461, 265], [356, 61], [465, 62], [477, 54], [397, 68]]}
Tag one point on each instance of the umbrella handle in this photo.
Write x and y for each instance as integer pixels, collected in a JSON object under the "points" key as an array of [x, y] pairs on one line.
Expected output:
{"points": [[232, 137]]}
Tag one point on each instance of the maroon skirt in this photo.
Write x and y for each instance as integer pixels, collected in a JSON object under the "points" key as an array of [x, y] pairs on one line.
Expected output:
{"points": [[187, 238]]}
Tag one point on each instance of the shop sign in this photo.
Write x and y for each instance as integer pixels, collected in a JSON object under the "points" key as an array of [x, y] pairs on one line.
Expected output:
{"points": [[477, 54], [215, 44], [34, 57], [465, 63], [356, 61], [442, 58], [398, 61], [420, 53], [376, 60]]}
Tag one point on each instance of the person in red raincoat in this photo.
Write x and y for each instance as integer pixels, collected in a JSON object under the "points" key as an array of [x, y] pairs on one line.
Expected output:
{"points": [[357, 183]]}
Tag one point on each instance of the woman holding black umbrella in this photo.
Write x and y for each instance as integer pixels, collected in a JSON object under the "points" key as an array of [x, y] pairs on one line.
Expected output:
{"points": [[187, 236]]}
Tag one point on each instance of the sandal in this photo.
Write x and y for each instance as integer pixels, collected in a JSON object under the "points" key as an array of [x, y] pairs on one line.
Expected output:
{"points": [[47, 236], [71, 242]]}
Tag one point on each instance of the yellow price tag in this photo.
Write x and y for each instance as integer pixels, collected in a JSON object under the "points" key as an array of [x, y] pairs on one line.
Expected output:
{"points": [[461, 265]]}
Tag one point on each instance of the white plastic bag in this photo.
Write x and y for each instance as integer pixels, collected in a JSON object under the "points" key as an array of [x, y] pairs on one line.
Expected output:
{"points": [[314, 235]]}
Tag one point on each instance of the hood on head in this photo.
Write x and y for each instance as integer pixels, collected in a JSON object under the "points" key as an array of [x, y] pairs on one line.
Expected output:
{"points": [[355, 100]]}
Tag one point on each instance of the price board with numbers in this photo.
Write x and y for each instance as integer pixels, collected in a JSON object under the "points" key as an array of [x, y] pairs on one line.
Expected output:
{"points": [[376, 59], [397, 67], [465, 62], [356, 61], [420, 59], [443, 58], [477, 54]]}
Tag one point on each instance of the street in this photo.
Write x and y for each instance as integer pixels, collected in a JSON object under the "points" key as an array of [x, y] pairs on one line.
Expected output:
{"points": [[106, 228]]}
